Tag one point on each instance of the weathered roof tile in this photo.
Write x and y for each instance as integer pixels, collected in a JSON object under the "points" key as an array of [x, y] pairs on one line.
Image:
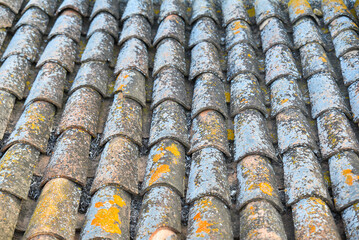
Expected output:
{"points": [[48, 6], [138, 27], [106, 6], [203, 8], [34, 17], [118, 166], [204, 30], [26, 43], [80, 6], [208, 176], [48, 85], [251, 136], [169, 121], [172, 26], [208, 94], [81, 111], [274, 33], [256, 182], [303, 177], [69, 23], [165, 167], [173, 7], [70, 157], [234, 11], [239, 31], [104, 22], [139, 7], [214, 215]]}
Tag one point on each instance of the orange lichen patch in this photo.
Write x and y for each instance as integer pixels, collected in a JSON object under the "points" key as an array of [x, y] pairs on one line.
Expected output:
{"points": [[108, 220], [350, 177], [251, 12], [230, 134], [202, 225], [266, 188], [156, 174], [323, 59], [237, 26], [119, 201], [99, 204], [174, 150], [158, 156], [311, 228], [228, 96], [284, 101], [299, 5]]}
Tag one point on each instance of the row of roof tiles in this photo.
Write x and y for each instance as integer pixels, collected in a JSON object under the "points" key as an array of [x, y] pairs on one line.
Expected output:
{"points": [[208, 193]]}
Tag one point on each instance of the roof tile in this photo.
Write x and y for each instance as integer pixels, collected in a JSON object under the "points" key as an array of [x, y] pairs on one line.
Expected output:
{"points": [[14, 72], [343, 174], [242, 59], [169, 121], [335, 134], [173, 7], [312, 217], [274, 33], [246, 94], [346, 41], [209, 218], [170, 53], [300, 9], [14, 5], [172, 26], [34, 17], [70, 157], [7, 17], [169, 84], [115, 203], [161, 208], [348, 64], [204, 30], [306, 31], [34, 126], [209, 130], [350, 217], [131, 84], [81, 111], [26, 43], [239, 31], [92, 74], [139, 7], [315, 60], [55, 213], [118, 166], [208, 94], [165, 167], [256, 182], [265, 9], [48, 6], [124, 118], [7, 104], [48, 85], [354, 100], [303, 176], [69, 23], [138, 27], [203, 8], [80, 6], [251, 136], [325, 95], [16, 169], [333, 9], [205, 59], [279, 62], [61, 50], [104, 22], [294, 130], [106, 6], [9, 213], [341, 24], [234, 11], [259, 220], [99, 48], [208, 176], [285, 94], [133, 55]]}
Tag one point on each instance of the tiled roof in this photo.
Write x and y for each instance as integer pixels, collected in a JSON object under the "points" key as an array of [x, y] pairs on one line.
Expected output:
{"points": [[173, 119]]}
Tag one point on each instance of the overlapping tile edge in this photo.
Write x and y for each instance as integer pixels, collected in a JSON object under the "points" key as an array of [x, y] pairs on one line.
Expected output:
{"points": [[291, 116]]}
